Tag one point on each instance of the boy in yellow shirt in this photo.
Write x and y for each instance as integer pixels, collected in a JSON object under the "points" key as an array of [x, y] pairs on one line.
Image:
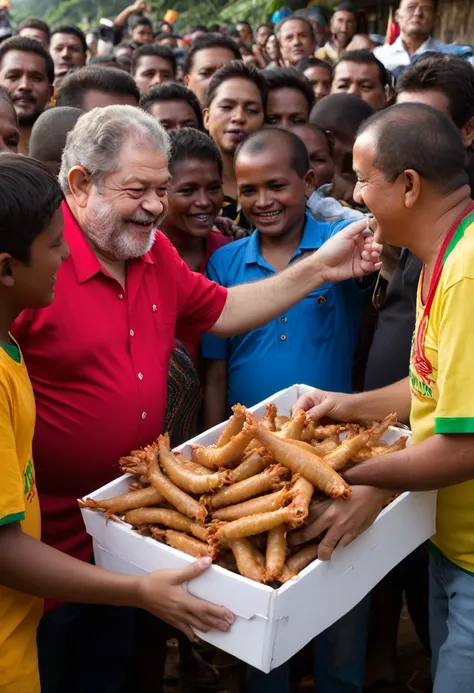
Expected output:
{"points": [[32, 248], [410, 163]]}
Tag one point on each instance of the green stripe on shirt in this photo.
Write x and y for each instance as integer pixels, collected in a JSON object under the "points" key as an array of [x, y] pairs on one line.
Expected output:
{"points": [[13, 351], [458, 235], [436, 553], [10, 519], [464, 424]]}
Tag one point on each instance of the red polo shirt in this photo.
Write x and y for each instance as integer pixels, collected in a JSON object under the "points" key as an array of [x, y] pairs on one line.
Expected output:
{"points": [[98, 361]]}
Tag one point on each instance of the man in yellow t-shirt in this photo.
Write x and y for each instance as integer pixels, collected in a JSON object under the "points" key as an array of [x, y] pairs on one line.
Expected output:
{"points": [[410, 165], [19, 613]]}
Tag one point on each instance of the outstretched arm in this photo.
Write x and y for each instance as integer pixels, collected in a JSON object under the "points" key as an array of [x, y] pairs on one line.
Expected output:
{"points": [[373, 405], [349, 253], [437, 462], [122, 18], [28, 565]]}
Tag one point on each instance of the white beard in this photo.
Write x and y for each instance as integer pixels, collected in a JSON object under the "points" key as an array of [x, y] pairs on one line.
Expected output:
{"points": [[108, 232]]}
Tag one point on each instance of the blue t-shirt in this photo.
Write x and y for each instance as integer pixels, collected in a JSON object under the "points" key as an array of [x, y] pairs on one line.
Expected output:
{"points": [[312, 343]]}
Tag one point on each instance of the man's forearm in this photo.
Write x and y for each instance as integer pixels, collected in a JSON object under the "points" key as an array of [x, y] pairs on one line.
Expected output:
{"points": [[251, 305], [29, 566], [437, 462], [123, 16], [375, 405]]}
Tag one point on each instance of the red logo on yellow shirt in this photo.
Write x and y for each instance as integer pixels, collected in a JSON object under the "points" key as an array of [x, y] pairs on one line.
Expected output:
{"points": [[420, 367], [30, 482]]}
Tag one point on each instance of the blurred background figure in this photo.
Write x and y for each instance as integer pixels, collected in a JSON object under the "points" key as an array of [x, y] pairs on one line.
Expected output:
{"points": [[174, 105], [34, 28], [296, 38], [48, 137], [343, 26], [319, 74]]}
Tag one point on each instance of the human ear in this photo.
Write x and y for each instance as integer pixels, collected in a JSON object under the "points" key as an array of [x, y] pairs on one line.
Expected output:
{"points": [[6, 272], [309, 184], [205, 117], [467, 134], [412, 187], [80, 185]]}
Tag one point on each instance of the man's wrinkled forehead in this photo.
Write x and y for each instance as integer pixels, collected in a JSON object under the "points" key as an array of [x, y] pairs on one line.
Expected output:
{"points": [[143, 166]]}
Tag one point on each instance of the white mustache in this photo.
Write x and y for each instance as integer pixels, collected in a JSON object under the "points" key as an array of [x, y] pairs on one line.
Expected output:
{"points": [[142, 218]]}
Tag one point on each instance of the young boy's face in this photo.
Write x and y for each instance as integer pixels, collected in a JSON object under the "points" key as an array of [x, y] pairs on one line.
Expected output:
{"points": [[195, 198], [318, 151], [271, 193], [33, 284]]}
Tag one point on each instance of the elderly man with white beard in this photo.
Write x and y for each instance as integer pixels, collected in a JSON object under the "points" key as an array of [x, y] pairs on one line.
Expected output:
{"points": [[98, 357]]}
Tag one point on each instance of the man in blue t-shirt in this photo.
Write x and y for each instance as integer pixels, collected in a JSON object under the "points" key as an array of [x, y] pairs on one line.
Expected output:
{"points": [[313, 343]]}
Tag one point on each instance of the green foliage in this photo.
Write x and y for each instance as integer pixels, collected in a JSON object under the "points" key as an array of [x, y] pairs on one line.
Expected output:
{"points": [[253, 11], [69, 11], [191, 12]]}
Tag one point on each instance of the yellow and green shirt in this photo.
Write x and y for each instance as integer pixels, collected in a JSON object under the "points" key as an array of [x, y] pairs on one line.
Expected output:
{"points": [[442, 378], [19, 613]]}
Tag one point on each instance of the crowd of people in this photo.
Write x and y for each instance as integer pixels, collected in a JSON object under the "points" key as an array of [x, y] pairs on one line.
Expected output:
{"points": [[198, 207]]}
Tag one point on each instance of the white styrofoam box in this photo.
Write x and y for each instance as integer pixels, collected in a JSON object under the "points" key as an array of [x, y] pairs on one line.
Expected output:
{"points": [[272, 625]]}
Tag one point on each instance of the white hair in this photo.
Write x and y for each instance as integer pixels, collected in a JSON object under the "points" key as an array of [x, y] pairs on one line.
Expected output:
{"points": [[96, 140]]}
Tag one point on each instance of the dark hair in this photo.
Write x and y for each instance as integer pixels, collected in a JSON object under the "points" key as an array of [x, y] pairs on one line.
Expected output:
{"points": [[166, 35], [304, 65], [172, 91], [280, 140], [416, 136], [139, 20], [198, 27], [158, 26], [123, 44], [160, 51], [320, 131], [30, 197], [34, 23], [265, 26], [72, 30], [103, 59], [244, 22], [452, 76], [346, 7], [340, 114], [364, 57], [25, 44], [49, 133], [292, 18], [236, 69], [109, 80], [210, 41], [289, 78], [189, 143]]}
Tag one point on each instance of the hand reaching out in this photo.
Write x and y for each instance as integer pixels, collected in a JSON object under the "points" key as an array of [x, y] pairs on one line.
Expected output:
{"points": [[350, 253], [341, 520], [318, 403], [163, 595]]}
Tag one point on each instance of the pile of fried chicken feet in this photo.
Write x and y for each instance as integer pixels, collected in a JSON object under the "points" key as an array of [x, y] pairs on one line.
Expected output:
{"points": [[236, 500]]}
